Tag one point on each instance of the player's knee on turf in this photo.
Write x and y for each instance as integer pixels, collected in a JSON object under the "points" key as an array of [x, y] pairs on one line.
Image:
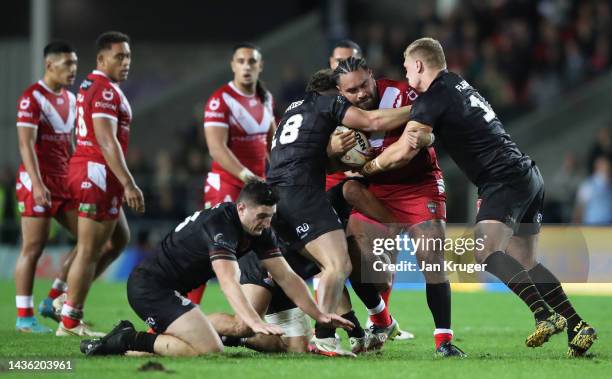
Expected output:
{"points": [[296, 344]]}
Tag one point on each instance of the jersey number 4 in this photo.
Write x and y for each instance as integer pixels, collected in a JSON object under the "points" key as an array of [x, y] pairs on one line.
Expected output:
{"points": [[289, 131], [478, 101]]}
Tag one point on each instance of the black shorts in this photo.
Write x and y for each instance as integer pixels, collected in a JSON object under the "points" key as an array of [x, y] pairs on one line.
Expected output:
{"points": [[303, 213], [517, 203], [156, 305], [253, 272], [336, 198]]}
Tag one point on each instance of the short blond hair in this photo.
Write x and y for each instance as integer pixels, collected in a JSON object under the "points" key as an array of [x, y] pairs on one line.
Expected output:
{"points": [[429, 50]]}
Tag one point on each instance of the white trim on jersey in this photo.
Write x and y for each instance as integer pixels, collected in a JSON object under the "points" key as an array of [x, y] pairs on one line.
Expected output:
{"points": [[244, 119], [43, 85], [233, 86], [103, 115], [216, 124], [50, 114], [27, 125], [98, 72]]}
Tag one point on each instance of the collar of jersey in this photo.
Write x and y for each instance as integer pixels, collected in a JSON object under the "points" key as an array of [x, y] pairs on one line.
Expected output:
{"points": [[100, 73], [43, 85], [233, 86]]}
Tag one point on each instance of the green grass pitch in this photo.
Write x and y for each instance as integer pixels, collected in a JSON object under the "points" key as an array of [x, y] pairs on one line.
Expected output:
{"points": [[490, 327]]}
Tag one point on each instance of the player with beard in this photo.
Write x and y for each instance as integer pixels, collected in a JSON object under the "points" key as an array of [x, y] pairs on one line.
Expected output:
{"points": [[510, 188], [298, 161], [415, 195]]}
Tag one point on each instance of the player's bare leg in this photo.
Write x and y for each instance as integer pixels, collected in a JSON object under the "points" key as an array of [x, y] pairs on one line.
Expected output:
{"points": [[580, 335], [91, 237], [232, 325], [437, 287], [496, 238], [34, 231], [329, 251], [189, 335], [115, 245]]}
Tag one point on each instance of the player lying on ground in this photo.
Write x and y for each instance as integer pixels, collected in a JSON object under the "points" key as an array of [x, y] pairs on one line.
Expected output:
{"points": [[510, 188], [270, 300], [206, 245], [414, 194]]}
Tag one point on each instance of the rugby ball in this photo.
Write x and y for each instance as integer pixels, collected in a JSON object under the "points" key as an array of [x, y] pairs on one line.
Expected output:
{"points": [[359, 154]]}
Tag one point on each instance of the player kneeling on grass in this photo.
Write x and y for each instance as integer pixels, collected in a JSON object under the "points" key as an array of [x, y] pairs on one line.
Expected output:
{"points": [[205, 245]]}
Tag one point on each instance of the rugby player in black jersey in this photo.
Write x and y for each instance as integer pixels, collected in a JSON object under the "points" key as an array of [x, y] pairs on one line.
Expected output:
{"points": [[203, 246], [298, 160], [510, 188]]}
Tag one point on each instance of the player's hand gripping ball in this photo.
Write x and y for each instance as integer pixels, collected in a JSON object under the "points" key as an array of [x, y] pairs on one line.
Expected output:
{"points": [[359, 154]]}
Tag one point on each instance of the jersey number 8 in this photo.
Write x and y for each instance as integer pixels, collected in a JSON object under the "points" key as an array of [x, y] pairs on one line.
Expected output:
{"points": [[290, 130], [82, 127]]}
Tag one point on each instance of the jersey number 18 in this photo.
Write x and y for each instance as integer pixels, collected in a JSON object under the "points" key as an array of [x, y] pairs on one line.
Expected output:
{"points": [[290, 130]]}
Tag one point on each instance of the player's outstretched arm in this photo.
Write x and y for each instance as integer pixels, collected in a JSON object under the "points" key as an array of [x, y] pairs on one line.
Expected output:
{"points": [[401, 152], [27, 140], [106, 135], [228, 274], [376, 120], [216, 139], [298, 292]]}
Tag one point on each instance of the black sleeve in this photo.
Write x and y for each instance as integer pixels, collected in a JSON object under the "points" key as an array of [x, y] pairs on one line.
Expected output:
{"points": [[267, 246], [334, 107], [221, 242], [430, 105]]}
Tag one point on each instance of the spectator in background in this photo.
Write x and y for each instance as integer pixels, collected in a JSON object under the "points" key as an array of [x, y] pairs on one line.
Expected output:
{"points": [[561, 192], [594, 200], [602, 146]]}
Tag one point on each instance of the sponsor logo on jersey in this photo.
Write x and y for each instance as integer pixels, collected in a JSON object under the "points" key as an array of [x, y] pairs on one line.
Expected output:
{"points": [[302, 230], [108, 94], [150, 321], [113, 211], [214, 103], [38, 209], [220, 241], [18, 186], [88, 208], [102, 104], [213, 114], [86, 185], [60, 101], [412, 95], [22, 114], [252, 103], [24, 103], [295, 104], [85, 85]]}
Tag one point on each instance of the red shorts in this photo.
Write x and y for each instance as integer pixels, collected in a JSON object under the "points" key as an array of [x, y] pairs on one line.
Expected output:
{"points": [[217, 190], [60, 196], [95, 190], [411, 204]]}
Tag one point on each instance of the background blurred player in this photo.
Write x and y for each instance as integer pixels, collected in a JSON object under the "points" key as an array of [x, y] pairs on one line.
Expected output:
{"points": [[206, 245], [238, 123], [99, 178], [510, 188], [45, 120]]}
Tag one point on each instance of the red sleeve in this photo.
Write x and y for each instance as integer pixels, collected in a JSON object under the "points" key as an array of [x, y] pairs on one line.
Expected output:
{"points": [[105, 103], [28, 111], [216, 111]]}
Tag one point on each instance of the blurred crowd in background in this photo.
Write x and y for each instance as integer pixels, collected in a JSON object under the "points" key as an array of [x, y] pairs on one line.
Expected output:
{"points": [[521, 55]]}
